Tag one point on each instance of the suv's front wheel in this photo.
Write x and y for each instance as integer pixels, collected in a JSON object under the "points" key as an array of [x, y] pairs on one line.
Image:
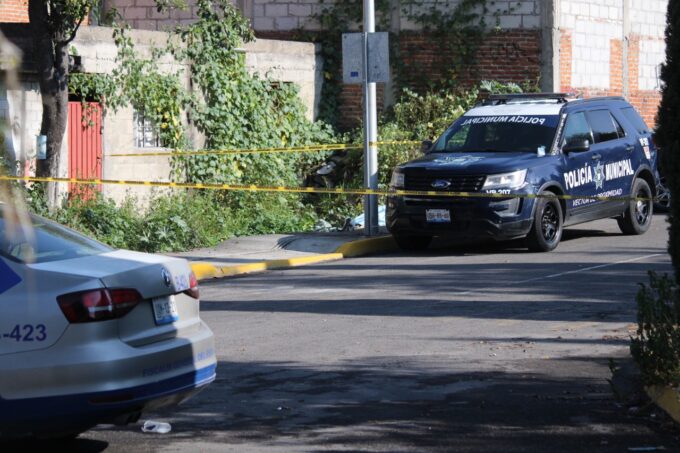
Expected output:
{"points": [[546, 230], [638, 215]]}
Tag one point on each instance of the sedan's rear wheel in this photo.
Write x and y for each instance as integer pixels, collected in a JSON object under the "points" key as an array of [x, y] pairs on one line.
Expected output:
{"points": [[546, 230], [412, 242], [638, 215]]}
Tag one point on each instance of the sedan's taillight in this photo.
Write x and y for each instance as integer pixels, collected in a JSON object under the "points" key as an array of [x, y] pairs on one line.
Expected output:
{"points": [[193, 287], [98, 305]]}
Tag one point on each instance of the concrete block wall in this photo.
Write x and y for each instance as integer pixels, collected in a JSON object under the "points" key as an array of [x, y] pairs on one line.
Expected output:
{"points": [[98, 55], [21, 108], [119, 139], [287, 15], [144, 15], [613, 47], [287, 62], [98, 51], [291, 62], [502, 14], [648, 23]]}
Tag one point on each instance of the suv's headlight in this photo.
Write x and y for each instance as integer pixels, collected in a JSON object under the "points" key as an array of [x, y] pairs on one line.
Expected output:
{"points": [[397, 181], [505, 180]]}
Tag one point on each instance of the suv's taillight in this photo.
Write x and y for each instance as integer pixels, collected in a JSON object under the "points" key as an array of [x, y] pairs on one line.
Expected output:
{"points": [[193, 287], [98, 305]]}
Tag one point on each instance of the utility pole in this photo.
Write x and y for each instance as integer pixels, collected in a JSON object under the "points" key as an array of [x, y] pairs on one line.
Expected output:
{"points": [[370, 130]]}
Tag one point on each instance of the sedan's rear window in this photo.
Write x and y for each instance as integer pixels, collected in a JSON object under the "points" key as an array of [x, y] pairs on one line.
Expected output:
{"points": [[49, 242]]}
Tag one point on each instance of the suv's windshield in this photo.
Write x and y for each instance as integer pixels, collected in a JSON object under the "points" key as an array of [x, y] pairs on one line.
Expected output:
{"points": [[50, 242], [516, 133]]}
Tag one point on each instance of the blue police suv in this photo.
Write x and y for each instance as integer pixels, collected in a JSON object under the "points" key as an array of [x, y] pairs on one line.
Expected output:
{"points": [[530, 165]]}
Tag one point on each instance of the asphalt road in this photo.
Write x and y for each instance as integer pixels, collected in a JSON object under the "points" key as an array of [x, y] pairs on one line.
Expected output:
{"points": [[467, 348]]}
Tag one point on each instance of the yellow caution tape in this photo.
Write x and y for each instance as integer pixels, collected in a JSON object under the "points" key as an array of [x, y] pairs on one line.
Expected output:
{"points": [[319, 190], [396, 142], [292, 149]]}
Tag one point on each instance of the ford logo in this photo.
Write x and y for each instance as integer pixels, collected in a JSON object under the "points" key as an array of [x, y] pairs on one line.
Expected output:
{"points": [[441, 184], [166, 277]]}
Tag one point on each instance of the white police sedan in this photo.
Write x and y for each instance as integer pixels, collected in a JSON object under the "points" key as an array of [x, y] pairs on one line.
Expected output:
{"points": [[90, 335]]}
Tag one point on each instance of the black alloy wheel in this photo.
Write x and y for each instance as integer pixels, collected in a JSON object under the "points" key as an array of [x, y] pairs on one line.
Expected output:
{"points": [[549, 223], [546, 231], [638, 215]]}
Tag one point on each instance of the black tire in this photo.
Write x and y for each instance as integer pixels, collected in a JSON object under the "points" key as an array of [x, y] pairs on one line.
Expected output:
{"points": [[546, 231], [412, 242], [638, 215], [662, 201]]}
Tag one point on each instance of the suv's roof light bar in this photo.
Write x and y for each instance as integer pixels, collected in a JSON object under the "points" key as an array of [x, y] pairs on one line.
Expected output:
{"points": [[496, 99]]}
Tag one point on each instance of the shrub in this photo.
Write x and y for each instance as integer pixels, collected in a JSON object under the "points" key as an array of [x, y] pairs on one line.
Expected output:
{"points": [[668, 133], [179, 221], [656, 346], [427, 116]]}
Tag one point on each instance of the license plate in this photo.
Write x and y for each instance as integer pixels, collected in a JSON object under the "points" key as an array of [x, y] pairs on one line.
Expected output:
{"points": [[438, 215], [165, 310]]}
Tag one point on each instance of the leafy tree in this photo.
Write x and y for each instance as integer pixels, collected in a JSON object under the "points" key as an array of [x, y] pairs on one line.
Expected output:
{"points": [[54, 24], [668, 133]]}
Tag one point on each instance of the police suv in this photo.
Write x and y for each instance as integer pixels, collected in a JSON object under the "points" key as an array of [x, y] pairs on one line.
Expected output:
{"points": [[525, 166]]}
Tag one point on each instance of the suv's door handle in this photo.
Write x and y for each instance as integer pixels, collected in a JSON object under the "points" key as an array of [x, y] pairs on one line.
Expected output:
{"points": [[630, 148], [596, 156]]}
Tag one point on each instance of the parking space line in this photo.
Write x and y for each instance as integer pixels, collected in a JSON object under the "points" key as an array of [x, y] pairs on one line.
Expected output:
{"points": [[590, 268], [575, 271]]}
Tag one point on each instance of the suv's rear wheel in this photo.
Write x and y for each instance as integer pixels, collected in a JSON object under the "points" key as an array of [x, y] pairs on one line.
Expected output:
{"points": [[662, 201], [546, 230], [638, 215], [412, 242]]}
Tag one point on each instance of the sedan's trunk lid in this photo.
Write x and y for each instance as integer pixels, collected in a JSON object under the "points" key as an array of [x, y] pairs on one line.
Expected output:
{"points": [[165, 311]]}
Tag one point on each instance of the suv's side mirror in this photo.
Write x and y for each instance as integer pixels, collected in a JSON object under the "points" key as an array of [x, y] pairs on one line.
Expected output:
{"points": [[425, 146], [576, 145]]}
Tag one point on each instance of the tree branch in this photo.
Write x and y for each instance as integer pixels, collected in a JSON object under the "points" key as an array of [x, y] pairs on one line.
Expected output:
{"points": [[75, 30]]}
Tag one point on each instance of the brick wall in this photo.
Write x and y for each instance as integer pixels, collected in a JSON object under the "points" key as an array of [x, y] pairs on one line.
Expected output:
{"points": [[16, 11], [505, 56], [13, 10]]}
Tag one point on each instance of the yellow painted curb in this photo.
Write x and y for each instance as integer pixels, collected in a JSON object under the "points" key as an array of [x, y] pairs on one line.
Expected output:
{"points": [[303, 260], [667, 398], [227, 271], [204, 271], [366, 246], [360, 247]]}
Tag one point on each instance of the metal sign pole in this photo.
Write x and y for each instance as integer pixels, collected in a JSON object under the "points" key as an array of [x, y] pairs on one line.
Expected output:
{"points": [[370, 130]]}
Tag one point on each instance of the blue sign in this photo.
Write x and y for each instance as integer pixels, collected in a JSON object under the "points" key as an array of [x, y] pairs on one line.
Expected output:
{"points": [[8, 278]]}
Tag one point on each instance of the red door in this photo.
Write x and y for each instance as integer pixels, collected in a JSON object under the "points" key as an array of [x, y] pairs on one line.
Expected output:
{"points": [[84, 147]]}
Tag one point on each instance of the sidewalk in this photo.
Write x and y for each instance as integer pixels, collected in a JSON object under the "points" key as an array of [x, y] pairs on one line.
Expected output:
{"points": [[279, 251]]}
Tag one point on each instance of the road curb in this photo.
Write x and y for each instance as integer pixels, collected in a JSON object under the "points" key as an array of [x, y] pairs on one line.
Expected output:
{"points": [[361, 247], [666, 398]]}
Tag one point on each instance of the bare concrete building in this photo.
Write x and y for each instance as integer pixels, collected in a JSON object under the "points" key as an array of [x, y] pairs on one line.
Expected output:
{"points": [[596, 47], [87, 151]]}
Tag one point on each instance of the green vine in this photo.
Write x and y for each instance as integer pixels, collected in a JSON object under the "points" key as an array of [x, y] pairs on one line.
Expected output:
{"points": [[138, 82], [230, 107], [238, 110]]}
